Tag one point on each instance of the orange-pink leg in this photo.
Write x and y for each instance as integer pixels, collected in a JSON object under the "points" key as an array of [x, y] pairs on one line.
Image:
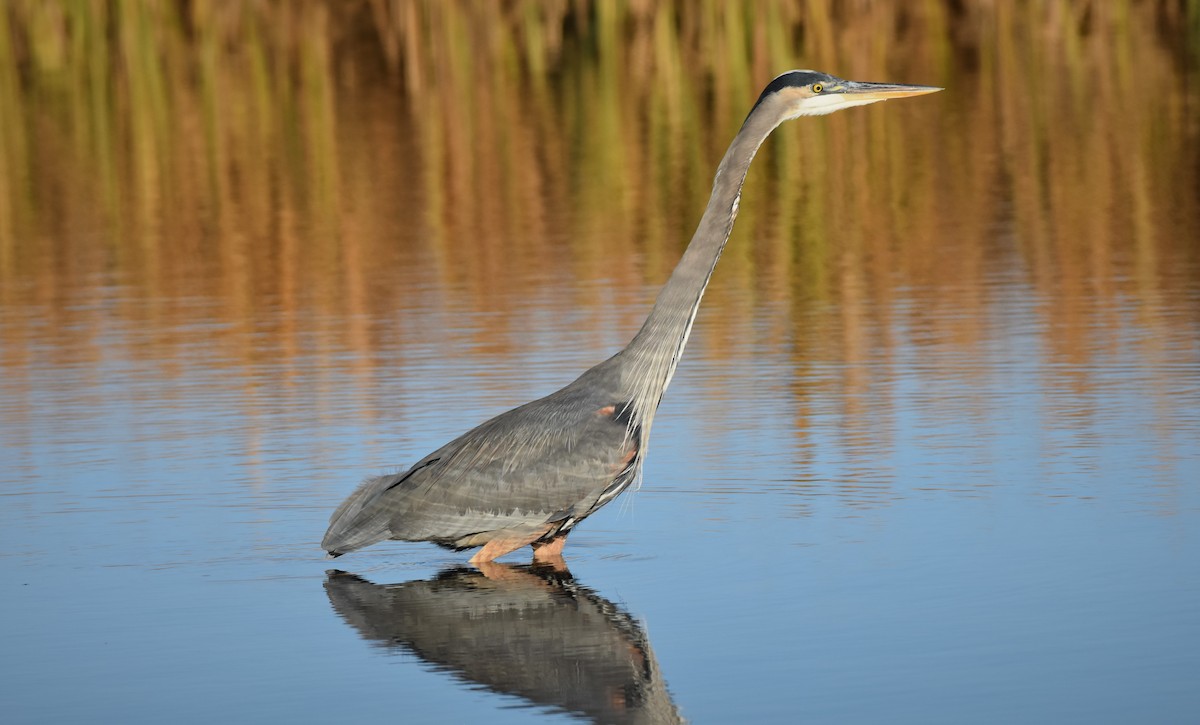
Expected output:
{"points": [[501, 546], [549, 552]]}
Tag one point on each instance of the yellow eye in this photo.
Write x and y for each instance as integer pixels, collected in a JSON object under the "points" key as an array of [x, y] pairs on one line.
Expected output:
{"points": [[817, 88]]}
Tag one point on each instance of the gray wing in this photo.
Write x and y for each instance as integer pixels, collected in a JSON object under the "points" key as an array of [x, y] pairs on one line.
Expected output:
{"points": [[554, 459]]}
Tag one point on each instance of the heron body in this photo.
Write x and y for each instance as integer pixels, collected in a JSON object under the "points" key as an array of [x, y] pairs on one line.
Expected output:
{"points": [[529, 475]]}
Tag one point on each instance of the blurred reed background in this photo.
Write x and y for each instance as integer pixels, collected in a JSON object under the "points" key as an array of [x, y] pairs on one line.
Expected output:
{"points": [[314, 175]]}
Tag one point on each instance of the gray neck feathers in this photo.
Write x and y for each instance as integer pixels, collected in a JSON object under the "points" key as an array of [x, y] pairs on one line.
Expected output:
{"points": [[650, 358]]}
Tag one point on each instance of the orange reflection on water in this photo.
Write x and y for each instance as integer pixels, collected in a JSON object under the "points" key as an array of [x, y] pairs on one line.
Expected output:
{"points": [[243, 184]]}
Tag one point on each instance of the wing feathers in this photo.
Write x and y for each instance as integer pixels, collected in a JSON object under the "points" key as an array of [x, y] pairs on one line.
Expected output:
{"points": [[546, 461]]}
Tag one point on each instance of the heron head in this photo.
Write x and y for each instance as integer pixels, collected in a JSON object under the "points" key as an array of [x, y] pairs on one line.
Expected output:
{"points": [[813, 93]]}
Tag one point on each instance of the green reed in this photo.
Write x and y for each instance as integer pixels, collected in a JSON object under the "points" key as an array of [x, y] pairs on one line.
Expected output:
{"points": [[241, 144]]}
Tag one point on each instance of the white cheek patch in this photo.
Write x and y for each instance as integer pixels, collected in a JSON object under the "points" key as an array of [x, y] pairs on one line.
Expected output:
{"points": [[821, 105]]}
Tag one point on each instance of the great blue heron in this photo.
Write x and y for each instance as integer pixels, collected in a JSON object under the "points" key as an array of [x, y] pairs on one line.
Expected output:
{"points": [[528, 476]]}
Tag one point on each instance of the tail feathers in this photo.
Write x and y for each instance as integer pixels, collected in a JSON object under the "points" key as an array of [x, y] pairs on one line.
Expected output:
{"points": [[359, 521]]}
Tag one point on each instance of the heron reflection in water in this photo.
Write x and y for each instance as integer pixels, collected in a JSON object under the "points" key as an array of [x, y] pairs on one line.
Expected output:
{"points": [[528, 476], [531, 632]]}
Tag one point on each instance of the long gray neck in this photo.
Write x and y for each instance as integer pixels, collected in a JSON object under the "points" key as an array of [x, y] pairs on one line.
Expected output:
{"points": [[650, 358]]}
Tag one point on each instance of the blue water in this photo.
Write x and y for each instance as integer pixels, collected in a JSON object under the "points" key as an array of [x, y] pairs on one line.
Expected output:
{"points": [[930, 533], [935, 459]]}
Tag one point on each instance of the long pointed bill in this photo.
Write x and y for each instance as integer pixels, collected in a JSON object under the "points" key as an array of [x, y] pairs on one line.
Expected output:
{"points": [[881, 91]]}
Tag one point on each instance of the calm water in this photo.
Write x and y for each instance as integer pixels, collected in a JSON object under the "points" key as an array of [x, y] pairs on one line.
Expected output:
{"points": [[931, 455]]}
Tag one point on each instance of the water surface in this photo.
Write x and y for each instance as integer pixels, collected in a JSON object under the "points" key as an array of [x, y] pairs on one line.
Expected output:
{"points": [[931, 455]]}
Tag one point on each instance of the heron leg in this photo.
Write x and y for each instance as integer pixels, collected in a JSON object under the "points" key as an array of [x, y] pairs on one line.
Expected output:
{"points": [[549, 552], [503, 545]]}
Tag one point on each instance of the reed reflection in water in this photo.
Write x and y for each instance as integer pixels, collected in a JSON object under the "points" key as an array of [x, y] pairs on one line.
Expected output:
{"points": [[934, 438], [531, 632]]}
